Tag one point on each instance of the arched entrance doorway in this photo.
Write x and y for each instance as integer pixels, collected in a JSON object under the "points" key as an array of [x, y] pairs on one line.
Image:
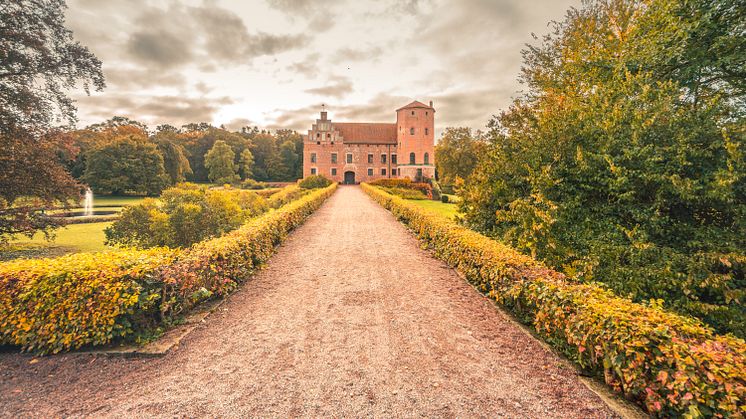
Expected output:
{"points": [[349, 178]]}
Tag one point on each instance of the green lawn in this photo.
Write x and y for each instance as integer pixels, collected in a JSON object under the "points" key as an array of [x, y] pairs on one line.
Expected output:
{"points": [[73, 238], [446, 210], [115, 201]]}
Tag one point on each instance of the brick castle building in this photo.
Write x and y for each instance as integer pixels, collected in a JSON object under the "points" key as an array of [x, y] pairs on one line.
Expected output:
{"points": [[354, 152]]}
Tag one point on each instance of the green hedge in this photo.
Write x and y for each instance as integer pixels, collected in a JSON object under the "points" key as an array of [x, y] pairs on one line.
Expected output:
{"points": [[53, 305], [669, 364]]}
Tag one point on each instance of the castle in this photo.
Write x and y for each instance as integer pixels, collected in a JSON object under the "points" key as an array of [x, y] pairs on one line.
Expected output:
{"points": [[354, 152]]}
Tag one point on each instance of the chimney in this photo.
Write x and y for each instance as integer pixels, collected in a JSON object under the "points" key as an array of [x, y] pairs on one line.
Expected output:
{"points": [[431, 103], [323, 115]]}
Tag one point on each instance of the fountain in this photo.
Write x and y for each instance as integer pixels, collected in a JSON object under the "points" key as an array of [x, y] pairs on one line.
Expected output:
{"points": [[88, 203]]}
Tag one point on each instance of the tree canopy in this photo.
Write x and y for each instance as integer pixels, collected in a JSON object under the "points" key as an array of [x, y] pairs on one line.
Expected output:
{"points": [[40, 63], [624, 161]]}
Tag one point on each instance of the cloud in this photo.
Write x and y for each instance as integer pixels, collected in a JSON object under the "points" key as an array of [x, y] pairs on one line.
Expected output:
{"points": [[346, 55], [160, 48], [154, 110], [319, 16], [307, 67], [139, 78], [338, 88], [179, 35]]}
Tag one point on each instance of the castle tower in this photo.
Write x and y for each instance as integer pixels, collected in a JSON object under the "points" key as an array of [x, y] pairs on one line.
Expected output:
{"points": [[415, 126]]}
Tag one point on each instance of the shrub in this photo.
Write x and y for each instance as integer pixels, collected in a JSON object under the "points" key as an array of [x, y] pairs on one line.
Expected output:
{"points": [[220, 264], [406, 193], [423, 187], [50, 305], [286, 195], [184, 215], [53, 305], [444, 199], [669, 364], [314, 182], [253, 184]]}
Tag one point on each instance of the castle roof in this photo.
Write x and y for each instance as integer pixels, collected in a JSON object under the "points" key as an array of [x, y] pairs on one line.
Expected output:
{"points": [[415, 104], [366, 132]]}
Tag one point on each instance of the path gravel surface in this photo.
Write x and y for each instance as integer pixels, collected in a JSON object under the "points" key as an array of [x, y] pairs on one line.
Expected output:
{"points": [[349, 318]]}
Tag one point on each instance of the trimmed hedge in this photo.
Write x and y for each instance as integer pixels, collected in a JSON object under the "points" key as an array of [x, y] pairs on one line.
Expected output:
{"points": [[217, 266], [53, 305], [669, 364]]}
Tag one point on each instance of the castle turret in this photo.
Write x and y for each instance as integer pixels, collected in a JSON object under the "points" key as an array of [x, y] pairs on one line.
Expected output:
{"points": [[415, 126]]}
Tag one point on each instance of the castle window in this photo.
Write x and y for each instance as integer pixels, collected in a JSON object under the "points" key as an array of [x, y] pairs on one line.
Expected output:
{"points": [[427, 158], [334, 157], [383, 158], [318, 135], [370, 171], [411, 131], [313, 157], [412, 112], [318, 142], [313, 170], [334, 171], [425, 113], [370, 158], [349, 157], [411, 158], [393, 159], [426, 131], [328, 136], [383, 172]]}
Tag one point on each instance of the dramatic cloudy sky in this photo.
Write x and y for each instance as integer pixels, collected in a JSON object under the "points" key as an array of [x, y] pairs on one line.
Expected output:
{"points": [[272, 63]]}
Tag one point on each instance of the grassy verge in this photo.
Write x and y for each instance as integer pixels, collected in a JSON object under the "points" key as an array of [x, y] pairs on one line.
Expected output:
{"points": [[449, 211], [73, 238]]}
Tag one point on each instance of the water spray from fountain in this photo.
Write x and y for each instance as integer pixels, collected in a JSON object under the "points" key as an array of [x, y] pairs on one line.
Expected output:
{"points": [[88, 203]]}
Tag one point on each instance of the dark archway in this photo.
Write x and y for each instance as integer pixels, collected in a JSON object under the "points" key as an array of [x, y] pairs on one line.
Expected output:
{"points": [[349, 178]]}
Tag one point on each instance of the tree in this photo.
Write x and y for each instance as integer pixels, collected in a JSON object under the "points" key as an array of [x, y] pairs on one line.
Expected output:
{"points": [[219, 162], [457, 153], [198, 142], [264, 150], [289, 161], [620, 164], [175, 160], [127, 165], [246, 161], [32, 170], [40, 64]]}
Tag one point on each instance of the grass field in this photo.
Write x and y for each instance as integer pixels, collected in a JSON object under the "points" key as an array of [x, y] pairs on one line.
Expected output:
{"points": [[445, 210], [115, 201], [72, 238]]}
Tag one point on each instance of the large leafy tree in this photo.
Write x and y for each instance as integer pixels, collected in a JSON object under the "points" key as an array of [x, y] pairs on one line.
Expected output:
{"points": [[624, 162], [198, 139], [220, 164], [246, 162], [175, 159], [127, 165], [457, 153], [40, 62]]}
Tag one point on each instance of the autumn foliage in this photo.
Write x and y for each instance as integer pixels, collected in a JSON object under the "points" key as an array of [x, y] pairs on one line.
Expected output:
{"points": [[671, 365], [53, 305]]}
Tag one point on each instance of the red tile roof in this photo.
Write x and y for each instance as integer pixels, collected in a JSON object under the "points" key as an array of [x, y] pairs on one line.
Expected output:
{"points": [[366, 132], [415, 104]]}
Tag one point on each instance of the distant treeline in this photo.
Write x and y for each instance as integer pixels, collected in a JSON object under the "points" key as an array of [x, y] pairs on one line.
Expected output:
{"points": [[122, 156]]}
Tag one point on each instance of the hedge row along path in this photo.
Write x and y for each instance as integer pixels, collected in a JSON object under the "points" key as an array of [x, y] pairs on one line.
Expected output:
{"points": [[349, 318]]}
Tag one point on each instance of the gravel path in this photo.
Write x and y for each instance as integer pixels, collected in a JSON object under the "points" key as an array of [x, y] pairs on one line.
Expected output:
{"points": [[349, 318]]}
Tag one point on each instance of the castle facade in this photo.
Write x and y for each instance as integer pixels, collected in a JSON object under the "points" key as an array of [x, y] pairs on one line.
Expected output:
{"points": [[354, 152]]}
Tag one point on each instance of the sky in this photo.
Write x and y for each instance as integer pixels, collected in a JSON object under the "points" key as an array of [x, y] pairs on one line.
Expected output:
{"points": [[272, 63]]}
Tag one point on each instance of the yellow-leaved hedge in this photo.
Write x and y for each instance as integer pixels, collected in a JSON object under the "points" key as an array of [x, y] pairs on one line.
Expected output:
{"points": [[53, 305], [669, 364]]}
